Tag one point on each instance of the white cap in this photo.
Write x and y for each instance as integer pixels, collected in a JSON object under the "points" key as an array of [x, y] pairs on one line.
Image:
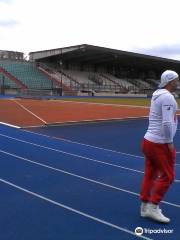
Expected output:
{"points": [[167, 77]]}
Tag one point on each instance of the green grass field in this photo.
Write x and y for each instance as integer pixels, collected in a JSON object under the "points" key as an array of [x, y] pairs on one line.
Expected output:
{"points": [[123, 101]]}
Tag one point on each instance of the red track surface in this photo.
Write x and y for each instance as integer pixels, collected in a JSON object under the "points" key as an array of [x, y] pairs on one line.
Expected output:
{"points": [[24, 113]]}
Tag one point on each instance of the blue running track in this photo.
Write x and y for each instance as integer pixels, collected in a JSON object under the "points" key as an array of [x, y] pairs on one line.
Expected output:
{"points": [[78, 182]]}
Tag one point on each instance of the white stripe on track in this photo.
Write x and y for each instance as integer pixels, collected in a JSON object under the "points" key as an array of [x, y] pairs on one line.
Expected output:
{"points": [[90, 146], [71, 154], [26, 109], [83, 144], [104, 104], [71, 209], [81, 177], [69, 173], [9, 125], [76, 155]]}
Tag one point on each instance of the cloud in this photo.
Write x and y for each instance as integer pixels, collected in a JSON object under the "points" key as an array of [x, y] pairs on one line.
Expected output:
{"points": [[6, 1], [165, 51], [8, 23]]}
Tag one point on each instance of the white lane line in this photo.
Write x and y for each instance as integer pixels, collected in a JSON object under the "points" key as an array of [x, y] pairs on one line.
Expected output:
{"points": [[71, 154], [9, 125], [90, 121], [83, 144], [69, 173], [19, 104], [74, 155], [81, 177], [87, 145], [104, 104], [71, 209]]}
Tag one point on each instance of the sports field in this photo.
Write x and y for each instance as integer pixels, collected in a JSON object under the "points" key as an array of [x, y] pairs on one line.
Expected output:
{"points": [[124, 101], [115, 100], [72, 168]]}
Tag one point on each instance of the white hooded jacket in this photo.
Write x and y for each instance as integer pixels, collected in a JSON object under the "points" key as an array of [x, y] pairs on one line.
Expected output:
{"points": [[162, 117]]}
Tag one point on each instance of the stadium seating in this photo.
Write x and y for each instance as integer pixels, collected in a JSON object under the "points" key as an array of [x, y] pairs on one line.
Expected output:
{"points": [[93, 80], [80, 76], [41, 76], [7, 83], [88, 80], [122, 82], [27, 73]]}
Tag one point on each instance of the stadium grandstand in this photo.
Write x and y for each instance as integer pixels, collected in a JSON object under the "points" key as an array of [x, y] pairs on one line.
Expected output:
{"points": [[81, 70]]}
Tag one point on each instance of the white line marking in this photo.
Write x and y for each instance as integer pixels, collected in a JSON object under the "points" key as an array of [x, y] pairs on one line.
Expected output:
{"points": [[87, 145], [81, 177], [9, 125], [83, 144], [71, 209], [74, 155], [29, 111], [71, 174], [104, 104], [92, 121], [67, 153]]}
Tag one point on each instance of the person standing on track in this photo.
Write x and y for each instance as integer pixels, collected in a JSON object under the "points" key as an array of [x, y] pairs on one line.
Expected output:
{"points": [[158, 148]]}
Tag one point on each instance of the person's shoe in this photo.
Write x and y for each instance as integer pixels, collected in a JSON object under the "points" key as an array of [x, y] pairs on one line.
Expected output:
{"points": [[143, 209], [154, 212]]}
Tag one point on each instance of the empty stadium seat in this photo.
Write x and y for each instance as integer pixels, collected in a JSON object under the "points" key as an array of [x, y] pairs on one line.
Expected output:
{"points": [[27, 73]]}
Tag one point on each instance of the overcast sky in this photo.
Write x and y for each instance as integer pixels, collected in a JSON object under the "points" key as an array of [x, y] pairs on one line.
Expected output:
{"points": [[146, 26]]}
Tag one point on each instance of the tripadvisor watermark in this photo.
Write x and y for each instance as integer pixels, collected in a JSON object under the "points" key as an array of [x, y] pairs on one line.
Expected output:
{"points": [[139, 231]]}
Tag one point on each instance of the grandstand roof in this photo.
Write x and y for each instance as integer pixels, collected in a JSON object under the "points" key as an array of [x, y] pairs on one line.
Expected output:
{"points": [[98, 55]]}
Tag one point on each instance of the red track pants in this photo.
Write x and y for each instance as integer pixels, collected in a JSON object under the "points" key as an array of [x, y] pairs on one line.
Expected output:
{"points": [[159, 171]]}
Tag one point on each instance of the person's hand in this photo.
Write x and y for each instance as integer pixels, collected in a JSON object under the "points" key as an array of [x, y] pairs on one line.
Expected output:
{"points": [[171, 146]]}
